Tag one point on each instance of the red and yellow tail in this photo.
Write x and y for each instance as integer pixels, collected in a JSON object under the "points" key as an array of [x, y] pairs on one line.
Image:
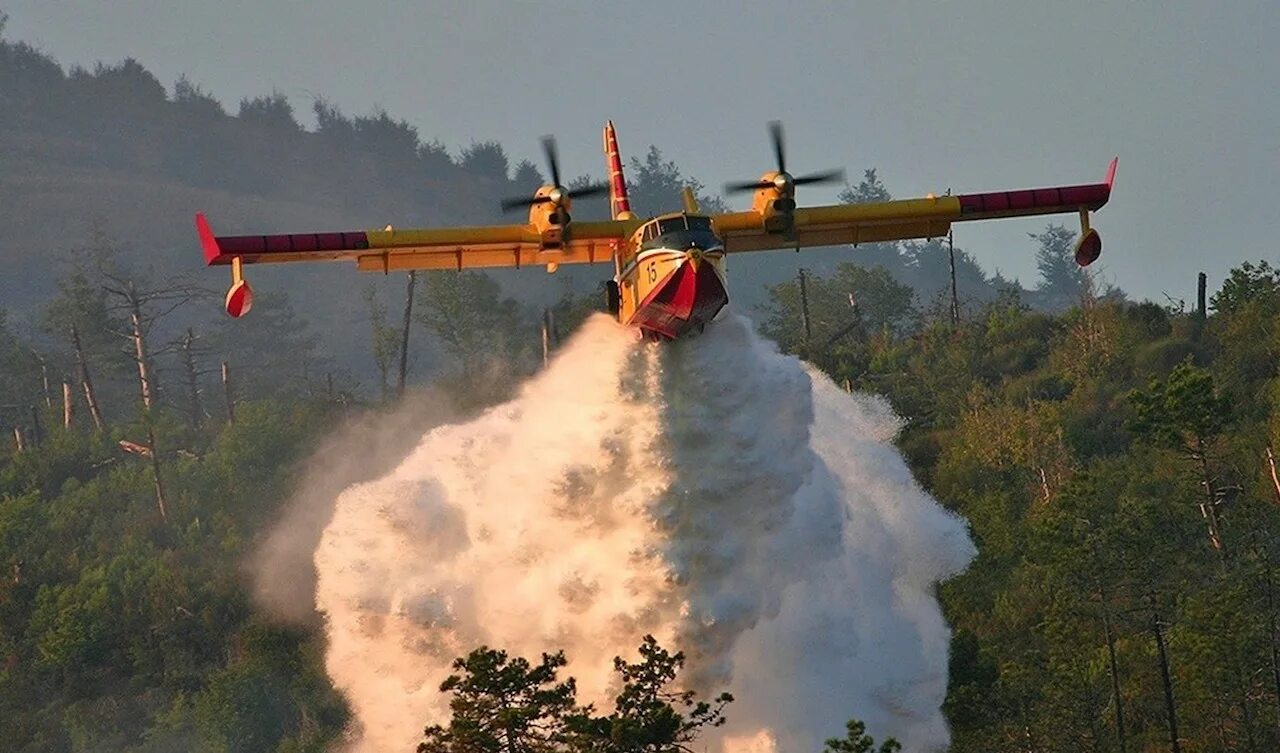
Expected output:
{"points": [[619, 204]]}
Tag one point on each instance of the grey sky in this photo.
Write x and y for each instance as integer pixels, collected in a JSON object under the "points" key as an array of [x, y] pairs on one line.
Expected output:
{"points": [[976, 95]]}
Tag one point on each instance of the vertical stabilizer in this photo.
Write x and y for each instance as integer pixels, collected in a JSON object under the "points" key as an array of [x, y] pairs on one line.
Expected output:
{"points": [[619, 203]]}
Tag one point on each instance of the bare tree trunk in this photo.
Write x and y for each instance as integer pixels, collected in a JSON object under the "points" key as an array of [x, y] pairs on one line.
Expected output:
{"points": [[193, 382], [955, 299], [146, 389], [550, 337], [90, 396], [1271, 463], [546, 342], [37, 430], [804, 307], [155, 470], [1170, 708], [1246, 712], [226, 391], [1274, 634], [404, 336], [18, 441], [1114, 670], [145, 386], [44, 378], [1207, 508], [68, 406]]}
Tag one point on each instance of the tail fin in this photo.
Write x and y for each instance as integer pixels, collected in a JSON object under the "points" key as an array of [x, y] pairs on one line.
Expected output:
{"points": [[619, 203]]}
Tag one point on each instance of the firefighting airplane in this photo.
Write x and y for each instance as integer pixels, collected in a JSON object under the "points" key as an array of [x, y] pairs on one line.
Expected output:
{"points": [[668, 271]]}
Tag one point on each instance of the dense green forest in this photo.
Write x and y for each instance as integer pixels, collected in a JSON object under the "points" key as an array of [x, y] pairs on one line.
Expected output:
{"points": [[1114, 459]]}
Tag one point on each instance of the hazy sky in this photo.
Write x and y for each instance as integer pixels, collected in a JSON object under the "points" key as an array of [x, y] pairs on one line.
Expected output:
{"points": [[975, 95]]}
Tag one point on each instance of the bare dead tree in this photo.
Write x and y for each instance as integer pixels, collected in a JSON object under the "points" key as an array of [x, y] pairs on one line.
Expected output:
{"points": [[192, 378], [226, 392], [1275, 479], [1171, 710], [37, 428], [90, 395], [44, 378], [804, 305], [404, 336], [144, 308], [68, 406]]}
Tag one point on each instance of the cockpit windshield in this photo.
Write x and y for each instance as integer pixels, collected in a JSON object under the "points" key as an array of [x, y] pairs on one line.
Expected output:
{"points": [[681, 230], [671, 224]]}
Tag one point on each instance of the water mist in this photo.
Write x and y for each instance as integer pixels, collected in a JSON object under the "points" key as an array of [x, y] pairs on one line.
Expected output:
{"points": [[711, 492]]}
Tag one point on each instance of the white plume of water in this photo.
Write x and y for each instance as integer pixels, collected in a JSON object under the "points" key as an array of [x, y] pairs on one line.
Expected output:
{"points": [[710, 492]]}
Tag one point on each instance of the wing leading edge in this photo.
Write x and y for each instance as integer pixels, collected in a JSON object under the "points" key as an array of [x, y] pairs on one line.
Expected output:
{"points": [[904, 219], [441, 248]]}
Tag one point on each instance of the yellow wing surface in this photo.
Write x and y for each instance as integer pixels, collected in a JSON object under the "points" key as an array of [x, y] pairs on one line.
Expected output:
{"points": [[445, 248], [766, 226]]}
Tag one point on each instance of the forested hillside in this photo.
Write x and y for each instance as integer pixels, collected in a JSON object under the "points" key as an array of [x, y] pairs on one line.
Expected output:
{"points": [[1116, 464]]}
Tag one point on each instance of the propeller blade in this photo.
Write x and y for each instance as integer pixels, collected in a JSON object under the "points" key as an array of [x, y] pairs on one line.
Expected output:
{"points": [[595, 189], [828, 176], [775, 135], [751, 185], [510, 204], [549, 149]]}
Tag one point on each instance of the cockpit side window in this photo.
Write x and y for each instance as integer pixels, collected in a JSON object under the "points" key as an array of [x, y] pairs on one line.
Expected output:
{"points": [[699, 223]]}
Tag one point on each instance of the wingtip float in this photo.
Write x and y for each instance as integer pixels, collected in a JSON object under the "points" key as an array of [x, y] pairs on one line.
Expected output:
{"points": [[668, 271]]}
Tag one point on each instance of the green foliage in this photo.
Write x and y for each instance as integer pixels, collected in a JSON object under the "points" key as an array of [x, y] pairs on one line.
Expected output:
{"points": [[486, 159], [655, 186], [869, 190], [485, 336], [1089, 451], [647, 716], [1248, 285], [271, 112], [1182, 412], [384, 339], [120, 632], [844, 311], [856, 740], [501, 703], [1060, 276]]}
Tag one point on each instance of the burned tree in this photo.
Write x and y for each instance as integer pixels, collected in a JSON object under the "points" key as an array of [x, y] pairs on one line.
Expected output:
{"points": [[144, 307]]}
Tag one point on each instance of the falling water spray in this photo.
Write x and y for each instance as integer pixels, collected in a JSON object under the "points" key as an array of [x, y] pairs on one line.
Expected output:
{"points": [[711, 492]]}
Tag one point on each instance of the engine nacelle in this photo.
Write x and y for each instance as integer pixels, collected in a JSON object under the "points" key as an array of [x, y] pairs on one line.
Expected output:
{"points": [[551, 216]]}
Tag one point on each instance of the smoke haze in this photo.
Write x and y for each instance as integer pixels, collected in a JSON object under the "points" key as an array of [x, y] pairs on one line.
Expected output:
{"points": [[711, 492]]}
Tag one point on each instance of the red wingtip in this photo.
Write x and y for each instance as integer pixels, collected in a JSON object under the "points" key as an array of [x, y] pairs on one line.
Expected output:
{"points": [[207, 241], [1111, 171]]}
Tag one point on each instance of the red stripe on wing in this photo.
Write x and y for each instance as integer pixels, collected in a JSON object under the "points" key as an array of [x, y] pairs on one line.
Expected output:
{"points": [[221, 249]]}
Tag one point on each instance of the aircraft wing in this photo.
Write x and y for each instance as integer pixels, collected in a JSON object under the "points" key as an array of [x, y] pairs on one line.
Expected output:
{"points": [[394, 249], [930, 217]]}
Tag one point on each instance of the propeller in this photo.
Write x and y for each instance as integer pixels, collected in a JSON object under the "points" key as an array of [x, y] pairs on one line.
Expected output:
{"points": [[784, 181], [558, 193]]}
